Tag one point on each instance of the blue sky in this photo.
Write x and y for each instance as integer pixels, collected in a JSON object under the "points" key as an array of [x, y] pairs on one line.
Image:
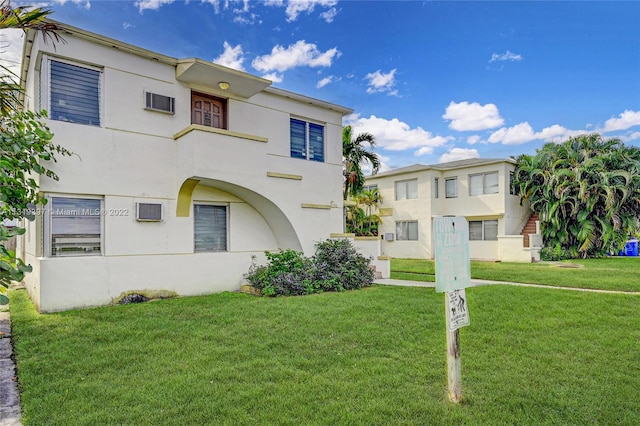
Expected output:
{"points": [[432, 81]]}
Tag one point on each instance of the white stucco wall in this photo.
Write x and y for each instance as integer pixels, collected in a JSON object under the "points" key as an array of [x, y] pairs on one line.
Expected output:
{"points": [[274, 201]]}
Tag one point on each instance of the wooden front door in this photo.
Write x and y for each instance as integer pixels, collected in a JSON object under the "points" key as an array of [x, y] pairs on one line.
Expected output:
{"points": [[206, 111]]}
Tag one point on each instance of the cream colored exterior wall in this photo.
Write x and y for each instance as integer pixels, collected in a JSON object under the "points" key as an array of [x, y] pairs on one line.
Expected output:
{"points": [[274, 201], [502, 206]]}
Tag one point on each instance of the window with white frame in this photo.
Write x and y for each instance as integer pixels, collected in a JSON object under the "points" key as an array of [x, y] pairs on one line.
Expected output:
{"points": [[307, 140], [210, 232], [407, 189], [483, 230], [483, 183], [73, 92], [73, 226], [451, 187], [436, 188], [407, 230]]}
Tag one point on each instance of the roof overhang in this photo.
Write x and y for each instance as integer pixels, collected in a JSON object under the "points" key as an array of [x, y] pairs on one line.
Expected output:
{"points": [[203, 73]]}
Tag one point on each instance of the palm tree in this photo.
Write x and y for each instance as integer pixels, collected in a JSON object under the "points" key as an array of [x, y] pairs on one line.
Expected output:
{"points": [[23, 18], [355, 154], [587, 192]]}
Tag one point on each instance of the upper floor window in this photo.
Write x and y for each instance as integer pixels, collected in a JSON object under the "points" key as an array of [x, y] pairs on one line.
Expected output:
{"points": [[483, 183], [74, 93], [451, 187], [407, 189], [208, 111], [307, 140], [483, 230], [73, 226], [370, 187], [436, 188]]}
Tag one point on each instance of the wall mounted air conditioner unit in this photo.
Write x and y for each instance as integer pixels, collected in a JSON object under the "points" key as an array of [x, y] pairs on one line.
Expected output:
{"points": [[148, 212], [388, 236], [161, 103]]}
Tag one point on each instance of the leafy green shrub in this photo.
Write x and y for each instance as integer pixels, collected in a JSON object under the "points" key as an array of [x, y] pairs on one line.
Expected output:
{"points": [[336, 266], [554, 253], [288, 273]]}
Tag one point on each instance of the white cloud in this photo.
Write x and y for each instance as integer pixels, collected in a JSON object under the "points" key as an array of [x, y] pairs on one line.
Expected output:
{"points": [[395, 135], [382, 83], [471, 117], [150, 4], [631, 137], [456, 154], [127, 25], [82, 3], [474, 139], [507, 56], [232, 57], [523, 133], [11, 49], [296, 7], [518, 134], [624, 121], [329, 15], [274, 76], [324, 82], [299, 54]]}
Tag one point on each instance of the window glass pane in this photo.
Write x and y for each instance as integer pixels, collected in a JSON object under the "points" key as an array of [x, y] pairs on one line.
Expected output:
{"points": [[210, 227], [400, 228], [412, 231], [475, 230], [490, 230], [437, 188], [298, 139], [401, 191], [475, 185], [75, 226], [75, 94], [491, 183], [412, 188], [451, 188], [316, 142]]}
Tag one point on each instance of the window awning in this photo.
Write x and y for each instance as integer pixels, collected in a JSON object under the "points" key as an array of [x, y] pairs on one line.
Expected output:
{"points": [[203, 73]]}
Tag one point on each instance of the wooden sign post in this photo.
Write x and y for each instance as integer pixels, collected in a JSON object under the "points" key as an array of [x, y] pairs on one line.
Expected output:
{"points": [[453, 275]]}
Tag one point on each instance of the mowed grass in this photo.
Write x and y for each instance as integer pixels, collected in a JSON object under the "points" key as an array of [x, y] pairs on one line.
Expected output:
{"points": [[374, 356], [615, 273]]}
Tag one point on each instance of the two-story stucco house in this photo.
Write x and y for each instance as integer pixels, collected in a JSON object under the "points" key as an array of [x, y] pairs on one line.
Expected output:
{"points": [[478, 189], [183, 171]]}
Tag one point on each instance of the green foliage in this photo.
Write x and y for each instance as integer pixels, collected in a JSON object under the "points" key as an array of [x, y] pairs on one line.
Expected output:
{"points": [[554, 253], [336, 266], [25, 143], [355, 154], [361, 219], [586, 191]]}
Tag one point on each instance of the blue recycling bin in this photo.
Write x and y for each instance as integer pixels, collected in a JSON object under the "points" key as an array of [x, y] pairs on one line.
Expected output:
{"points": [[631, 247]]}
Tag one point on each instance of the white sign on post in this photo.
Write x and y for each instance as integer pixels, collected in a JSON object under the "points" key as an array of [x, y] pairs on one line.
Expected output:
{"points": [[451, 243], [457, 307]]}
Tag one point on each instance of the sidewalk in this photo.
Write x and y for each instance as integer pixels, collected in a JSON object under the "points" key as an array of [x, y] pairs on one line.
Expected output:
{"points": [[477, 283], [9, 395]]}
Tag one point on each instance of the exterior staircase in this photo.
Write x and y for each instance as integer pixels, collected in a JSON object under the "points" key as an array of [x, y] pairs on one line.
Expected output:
{"points": [[529, 228]]}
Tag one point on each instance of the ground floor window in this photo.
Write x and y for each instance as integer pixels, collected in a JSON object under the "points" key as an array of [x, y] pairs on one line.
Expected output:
{"points": [[483, 230], [73, 226], [210, 228], [407, 230]]}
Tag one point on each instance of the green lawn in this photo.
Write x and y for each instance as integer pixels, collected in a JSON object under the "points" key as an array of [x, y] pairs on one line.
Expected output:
{"points": [[375, 356], [616, 273]]}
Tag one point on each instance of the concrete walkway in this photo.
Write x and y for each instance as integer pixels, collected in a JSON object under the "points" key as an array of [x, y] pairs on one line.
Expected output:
{"points": [[476, 283], [9, 394]]}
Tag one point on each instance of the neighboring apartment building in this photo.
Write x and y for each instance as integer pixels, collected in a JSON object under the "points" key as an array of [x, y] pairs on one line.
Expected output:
{"points": [[478, 189], [184, 171]]}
